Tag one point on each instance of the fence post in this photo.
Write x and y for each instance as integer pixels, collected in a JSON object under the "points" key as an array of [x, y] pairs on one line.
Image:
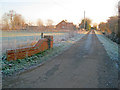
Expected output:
{"points": [[41, 35]]}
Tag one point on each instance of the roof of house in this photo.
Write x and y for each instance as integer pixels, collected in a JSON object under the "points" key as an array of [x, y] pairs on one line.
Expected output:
{"points": [[65, 22]]}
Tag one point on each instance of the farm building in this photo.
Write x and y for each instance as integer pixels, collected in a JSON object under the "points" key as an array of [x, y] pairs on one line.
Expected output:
{"points": [[65, 25]]}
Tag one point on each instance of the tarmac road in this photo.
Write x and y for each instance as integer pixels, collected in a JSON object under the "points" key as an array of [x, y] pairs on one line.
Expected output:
{"points": [[84, 65]]}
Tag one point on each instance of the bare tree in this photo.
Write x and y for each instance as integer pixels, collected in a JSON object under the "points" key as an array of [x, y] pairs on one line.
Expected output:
{"points": [[39, 22], [18, 21], [49, 22], [11, 15], [112, 23], [102, 26], [12, 20], [5, 22]]}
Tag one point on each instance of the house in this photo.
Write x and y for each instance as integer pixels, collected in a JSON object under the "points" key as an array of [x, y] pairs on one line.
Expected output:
{"points": [[64, 25]]}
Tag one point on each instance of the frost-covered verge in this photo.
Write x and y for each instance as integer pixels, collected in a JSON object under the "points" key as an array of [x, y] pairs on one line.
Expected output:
{"points": [[111, 47], [61, 43]]}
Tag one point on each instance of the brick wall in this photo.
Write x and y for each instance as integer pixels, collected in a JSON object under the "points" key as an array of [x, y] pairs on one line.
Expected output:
{"points": [[40, 46]]}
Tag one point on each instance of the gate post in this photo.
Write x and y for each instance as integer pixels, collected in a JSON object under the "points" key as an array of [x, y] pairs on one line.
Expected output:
{"points": [[42, 35]]}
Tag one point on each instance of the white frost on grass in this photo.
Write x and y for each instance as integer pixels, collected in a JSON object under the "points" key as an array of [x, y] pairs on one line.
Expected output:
{"points": [[68, 39], [61, 43], [110, 46], [19, 39]]}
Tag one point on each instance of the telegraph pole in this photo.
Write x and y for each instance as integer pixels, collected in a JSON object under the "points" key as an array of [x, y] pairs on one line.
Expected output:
{"points": [[84, 19]]}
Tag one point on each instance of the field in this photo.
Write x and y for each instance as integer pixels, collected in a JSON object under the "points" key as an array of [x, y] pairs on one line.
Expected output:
{"points": [[15, 39], [11, 40]]}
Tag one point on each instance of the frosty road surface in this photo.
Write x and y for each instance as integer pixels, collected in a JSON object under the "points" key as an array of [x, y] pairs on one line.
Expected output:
{"points": [[84, 65]]}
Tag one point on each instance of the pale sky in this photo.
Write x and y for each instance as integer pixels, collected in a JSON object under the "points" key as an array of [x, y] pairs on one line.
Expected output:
{"points": [[57, 10]]}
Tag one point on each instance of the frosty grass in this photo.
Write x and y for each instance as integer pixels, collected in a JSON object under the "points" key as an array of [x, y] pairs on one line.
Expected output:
{"points": [[61, 43], [111, 47]]}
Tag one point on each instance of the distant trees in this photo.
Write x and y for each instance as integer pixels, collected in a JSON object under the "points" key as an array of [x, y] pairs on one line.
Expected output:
{"points": [[103, 27], [5, 22], [112, 23], [95, 26], [18, 22], [49, 22], [110, 28], [12, 21], [87, 23], [39, 22]]}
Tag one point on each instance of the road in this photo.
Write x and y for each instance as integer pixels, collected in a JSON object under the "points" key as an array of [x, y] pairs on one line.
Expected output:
{"points": [[84, 65]]}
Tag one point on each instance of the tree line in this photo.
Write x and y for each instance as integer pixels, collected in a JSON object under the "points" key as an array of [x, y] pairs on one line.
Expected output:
{"points": [[110, 28], [85, 24], [15, 21], [12, 20]]}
